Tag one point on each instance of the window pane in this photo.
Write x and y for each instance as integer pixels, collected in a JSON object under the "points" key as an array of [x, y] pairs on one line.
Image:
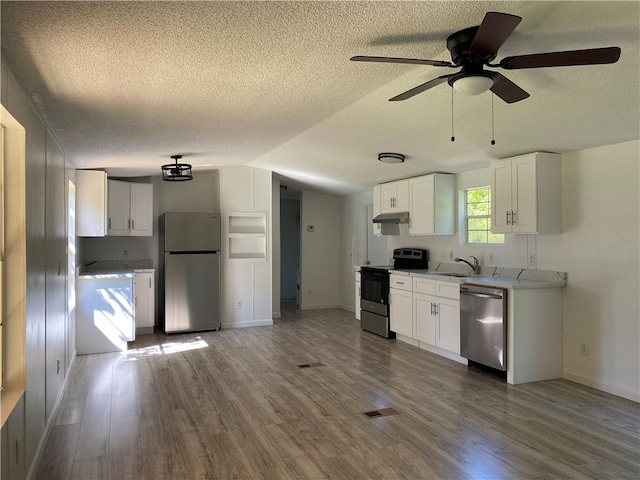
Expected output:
{"points": [[478, 217], [478, 224], [475, 236]]}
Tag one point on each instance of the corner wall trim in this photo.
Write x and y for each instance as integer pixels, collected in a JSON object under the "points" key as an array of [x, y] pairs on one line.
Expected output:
{"points": [[249, 323], [617, 390]]}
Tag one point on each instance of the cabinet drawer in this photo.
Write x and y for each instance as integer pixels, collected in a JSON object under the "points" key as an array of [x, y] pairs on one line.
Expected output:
{"points": [[401, 282], [448, 289], [424, 285]]}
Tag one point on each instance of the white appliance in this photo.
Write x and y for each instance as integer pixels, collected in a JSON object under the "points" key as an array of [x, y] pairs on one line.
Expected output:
{"points": [[189, 272]]}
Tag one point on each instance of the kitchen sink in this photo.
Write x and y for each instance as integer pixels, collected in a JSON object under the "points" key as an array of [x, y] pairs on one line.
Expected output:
{"points": [[445, 274]]}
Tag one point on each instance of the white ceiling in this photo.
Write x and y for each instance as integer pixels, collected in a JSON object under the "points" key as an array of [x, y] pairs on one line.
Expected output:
{"points": [[124, 85]]}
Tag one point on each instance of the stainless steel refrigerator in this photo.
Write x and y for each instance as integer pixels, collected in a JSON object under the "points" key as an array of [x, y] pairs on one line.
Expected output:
{"points": [[189, 271]]}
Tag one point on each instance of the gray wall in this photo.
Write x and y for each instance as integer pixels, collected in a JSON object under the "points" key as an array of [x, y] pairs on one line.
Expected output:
{"points": [[45, 328]]}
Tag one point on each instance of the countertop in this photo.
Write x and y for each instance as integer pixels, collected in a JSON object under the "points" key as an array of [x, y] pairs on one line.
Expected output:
{"points": [[484, 280], [105, 267]]}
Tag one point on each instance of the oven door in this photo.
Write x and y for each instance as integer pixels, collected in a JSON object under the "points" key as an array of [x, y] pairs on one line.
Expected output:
{"points": [[374, 289]]}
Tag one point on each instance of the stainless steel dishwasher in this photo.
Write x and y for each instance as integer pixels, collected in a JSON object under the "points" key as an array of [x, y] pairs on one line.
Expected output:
{"points": [[483, 326]]}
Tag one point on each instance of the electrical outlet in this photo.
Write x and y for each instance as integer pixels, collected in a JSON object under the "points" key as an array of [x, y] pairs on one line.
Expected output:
{"points": [[584, 349], [239, 304], [492, 259], [532, 259], [452, 254], [125, 252]]}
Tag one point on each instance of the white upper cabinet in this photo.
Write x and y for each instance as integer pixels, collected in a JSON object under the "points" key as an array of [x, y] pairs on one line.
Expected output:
{"points": [[130, 209], [394, 197], [432, 205], [91, 203], [526, 194], [141, 209]]}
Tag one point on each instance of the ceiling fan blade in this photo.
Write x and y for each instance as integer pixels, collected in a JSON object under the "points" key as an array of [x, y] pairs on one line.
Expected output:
{"points": [[415, 61], [592, 56], [506, 89], [421, 88], [493, 32]]}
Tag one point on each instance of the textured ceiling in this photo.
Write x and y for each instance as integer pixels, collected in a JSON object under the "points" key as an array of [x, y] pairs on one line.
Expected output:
{"points": [[124, 85]]}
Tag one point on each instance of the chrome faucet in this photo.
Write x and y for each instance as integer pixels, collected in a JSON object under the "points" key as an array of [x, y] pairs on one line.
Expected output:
{"points": [[475, 266]]}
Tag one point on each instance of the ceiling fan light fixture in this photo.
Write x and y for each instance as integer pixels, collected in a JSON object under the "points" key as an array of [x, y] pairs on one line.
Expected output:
{"points": [[176, 172], [389, 157], [473, 84]]}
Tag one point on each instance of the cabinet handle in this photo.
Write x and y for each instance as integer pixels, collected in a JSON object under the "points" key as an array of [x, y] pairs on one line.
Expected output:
{"points": [[129, 224], [18, 442], [133, 224], [431, 308], [437, 309], [149, 283], [109, 224], [507, 218], [513, 217], [59, 271], [400, 283]]}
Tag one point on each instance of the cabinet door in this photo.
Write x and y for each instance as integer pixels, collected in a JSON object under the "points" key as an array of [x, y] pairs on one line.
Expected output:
{"points": [[448, 331], [119, 211], [401, 203], [424, 318], [357, 305], [141, 209], [401, 312], [524, 195], [144, 299], [16, 441], [91, 203], [421, 205], [55, 274], [501, 196], [387, 198]]}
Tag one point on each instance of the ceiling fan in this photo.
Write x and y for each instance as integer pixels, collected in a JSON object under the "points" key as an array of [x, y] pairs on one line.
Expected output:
{"points": [[475, 47]]}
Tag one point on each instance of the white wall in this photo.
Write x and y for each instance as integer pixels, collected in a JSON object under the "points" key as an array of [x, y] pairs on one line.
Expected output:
{"points": [[276, 242], [353, 246], [599, 249], [246, 286], [320, 251]]}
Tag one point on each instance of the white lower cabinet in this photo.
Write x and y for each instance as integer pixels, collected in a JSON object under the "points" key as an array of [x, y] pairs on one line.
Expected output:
{"points": [[437, 321], [424, 319], [144, 301], [448, 325], [401, 311]]}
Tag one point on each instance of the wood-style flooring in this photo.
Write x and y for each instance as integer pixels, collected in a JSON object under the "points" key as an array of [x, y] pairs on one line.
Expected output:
{"points": [[235, 404]]}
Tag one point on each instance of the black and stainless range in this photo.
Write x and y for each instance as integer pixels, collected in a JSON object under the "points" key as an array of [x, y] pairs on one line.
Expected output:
{"points": [[374, 292]]}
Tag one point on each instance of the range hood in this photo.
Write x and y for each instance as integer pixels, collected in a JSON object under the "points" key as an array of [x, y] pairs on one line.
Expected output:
{"points": [[398, 217]]}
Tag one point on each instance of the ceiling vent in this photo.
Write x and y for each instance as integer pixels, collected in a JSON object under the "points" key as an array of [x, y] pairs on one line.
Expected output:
{"points": [[176, 172]]}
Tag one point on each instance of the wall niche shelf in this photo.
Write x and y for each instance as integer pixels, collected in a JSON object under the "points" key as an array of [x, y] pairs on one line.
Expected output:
{"points": [[247, 236]]}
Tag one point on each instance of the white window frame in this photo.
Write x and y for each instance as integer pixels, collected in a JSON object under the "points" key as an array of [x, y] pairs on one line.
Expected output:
{"points": [[488, 216]]}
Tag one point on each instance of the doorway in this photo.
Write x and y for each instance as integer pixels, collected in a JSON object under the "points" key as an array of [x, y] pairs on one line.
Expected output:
{"points": [[289, 246]]}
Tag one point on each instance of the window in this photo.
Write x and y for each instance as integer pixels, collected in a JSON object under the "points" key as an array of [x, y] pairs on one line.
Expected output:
{"points": [[477, 203]]}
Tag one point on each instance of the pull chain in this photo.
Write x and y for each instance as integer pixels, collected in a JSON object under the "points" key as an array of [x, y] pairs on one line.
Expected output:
{"points": [[453, 138], [493, 132]]}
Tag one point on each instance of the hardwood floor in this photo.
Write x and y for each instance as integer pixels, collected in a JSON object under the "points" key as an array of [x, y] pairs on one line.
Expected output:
{"points": [[234, 404]]}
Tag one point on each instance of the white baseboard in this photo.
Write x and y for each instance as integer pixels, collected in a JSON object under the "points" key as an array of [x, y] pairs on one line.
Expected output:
{"points": [[249, 323], [617, 390], [318, 307], [47, 429], [348, 308]]}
